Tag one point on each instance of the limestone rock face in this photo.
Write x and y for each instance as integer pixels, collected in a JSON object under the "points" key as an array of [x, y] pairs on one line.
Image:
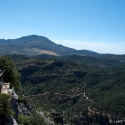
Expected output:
{"points": [[5, 88], [25, 109], [12, 122]]}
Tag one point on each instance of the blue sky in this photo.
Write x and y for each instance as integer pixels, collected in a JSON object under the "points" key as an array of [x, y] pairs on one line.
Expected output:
{"points": [[97, 25]]}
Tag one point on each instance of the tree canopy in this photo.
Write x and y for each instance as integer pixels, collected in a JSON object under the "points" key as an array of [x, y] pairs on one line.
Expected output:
{"points": [[11, 74]]}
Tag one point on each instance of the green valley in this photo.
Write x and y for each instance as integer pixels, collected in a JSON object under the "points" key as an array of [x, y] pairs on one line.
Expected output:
{"points": [[83, 94]]}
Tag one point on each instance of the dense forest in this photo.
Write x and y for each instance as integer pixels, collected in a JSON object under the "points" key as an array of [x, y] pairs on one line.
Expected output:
{"points": [[84, 93]]}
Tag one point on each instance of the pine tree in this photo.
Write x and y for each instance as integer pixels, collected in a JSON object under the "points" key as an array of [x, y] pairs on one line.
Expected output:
{"points": [[11, 75]]}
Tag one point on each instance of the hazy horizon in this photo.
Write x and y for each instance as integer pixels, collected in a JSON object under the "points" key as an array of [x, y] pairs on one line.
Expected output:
{"points": [[88, 45]]}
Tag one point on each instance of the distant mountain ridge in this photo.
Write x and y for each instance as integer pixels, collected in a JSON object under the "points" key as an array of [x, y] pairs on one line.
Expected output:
{"points": [[36, 45]]}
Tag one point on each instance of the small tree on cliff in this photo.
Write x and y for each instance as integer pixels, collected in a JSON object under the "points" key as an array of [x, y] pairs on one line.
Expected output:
{"points": [[11, 74], [5, 110]]}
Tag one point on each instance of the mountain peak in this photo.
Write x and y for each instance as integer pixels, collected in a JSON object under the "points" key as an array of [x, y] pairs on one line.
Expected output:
{"points": [[27, 45], [32, 37]]}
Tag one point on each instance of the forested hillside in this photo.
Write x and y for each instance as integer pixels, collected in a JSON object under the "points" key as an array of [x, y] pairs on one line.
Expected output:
{"points": [[96, 62], [83, 94]]}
